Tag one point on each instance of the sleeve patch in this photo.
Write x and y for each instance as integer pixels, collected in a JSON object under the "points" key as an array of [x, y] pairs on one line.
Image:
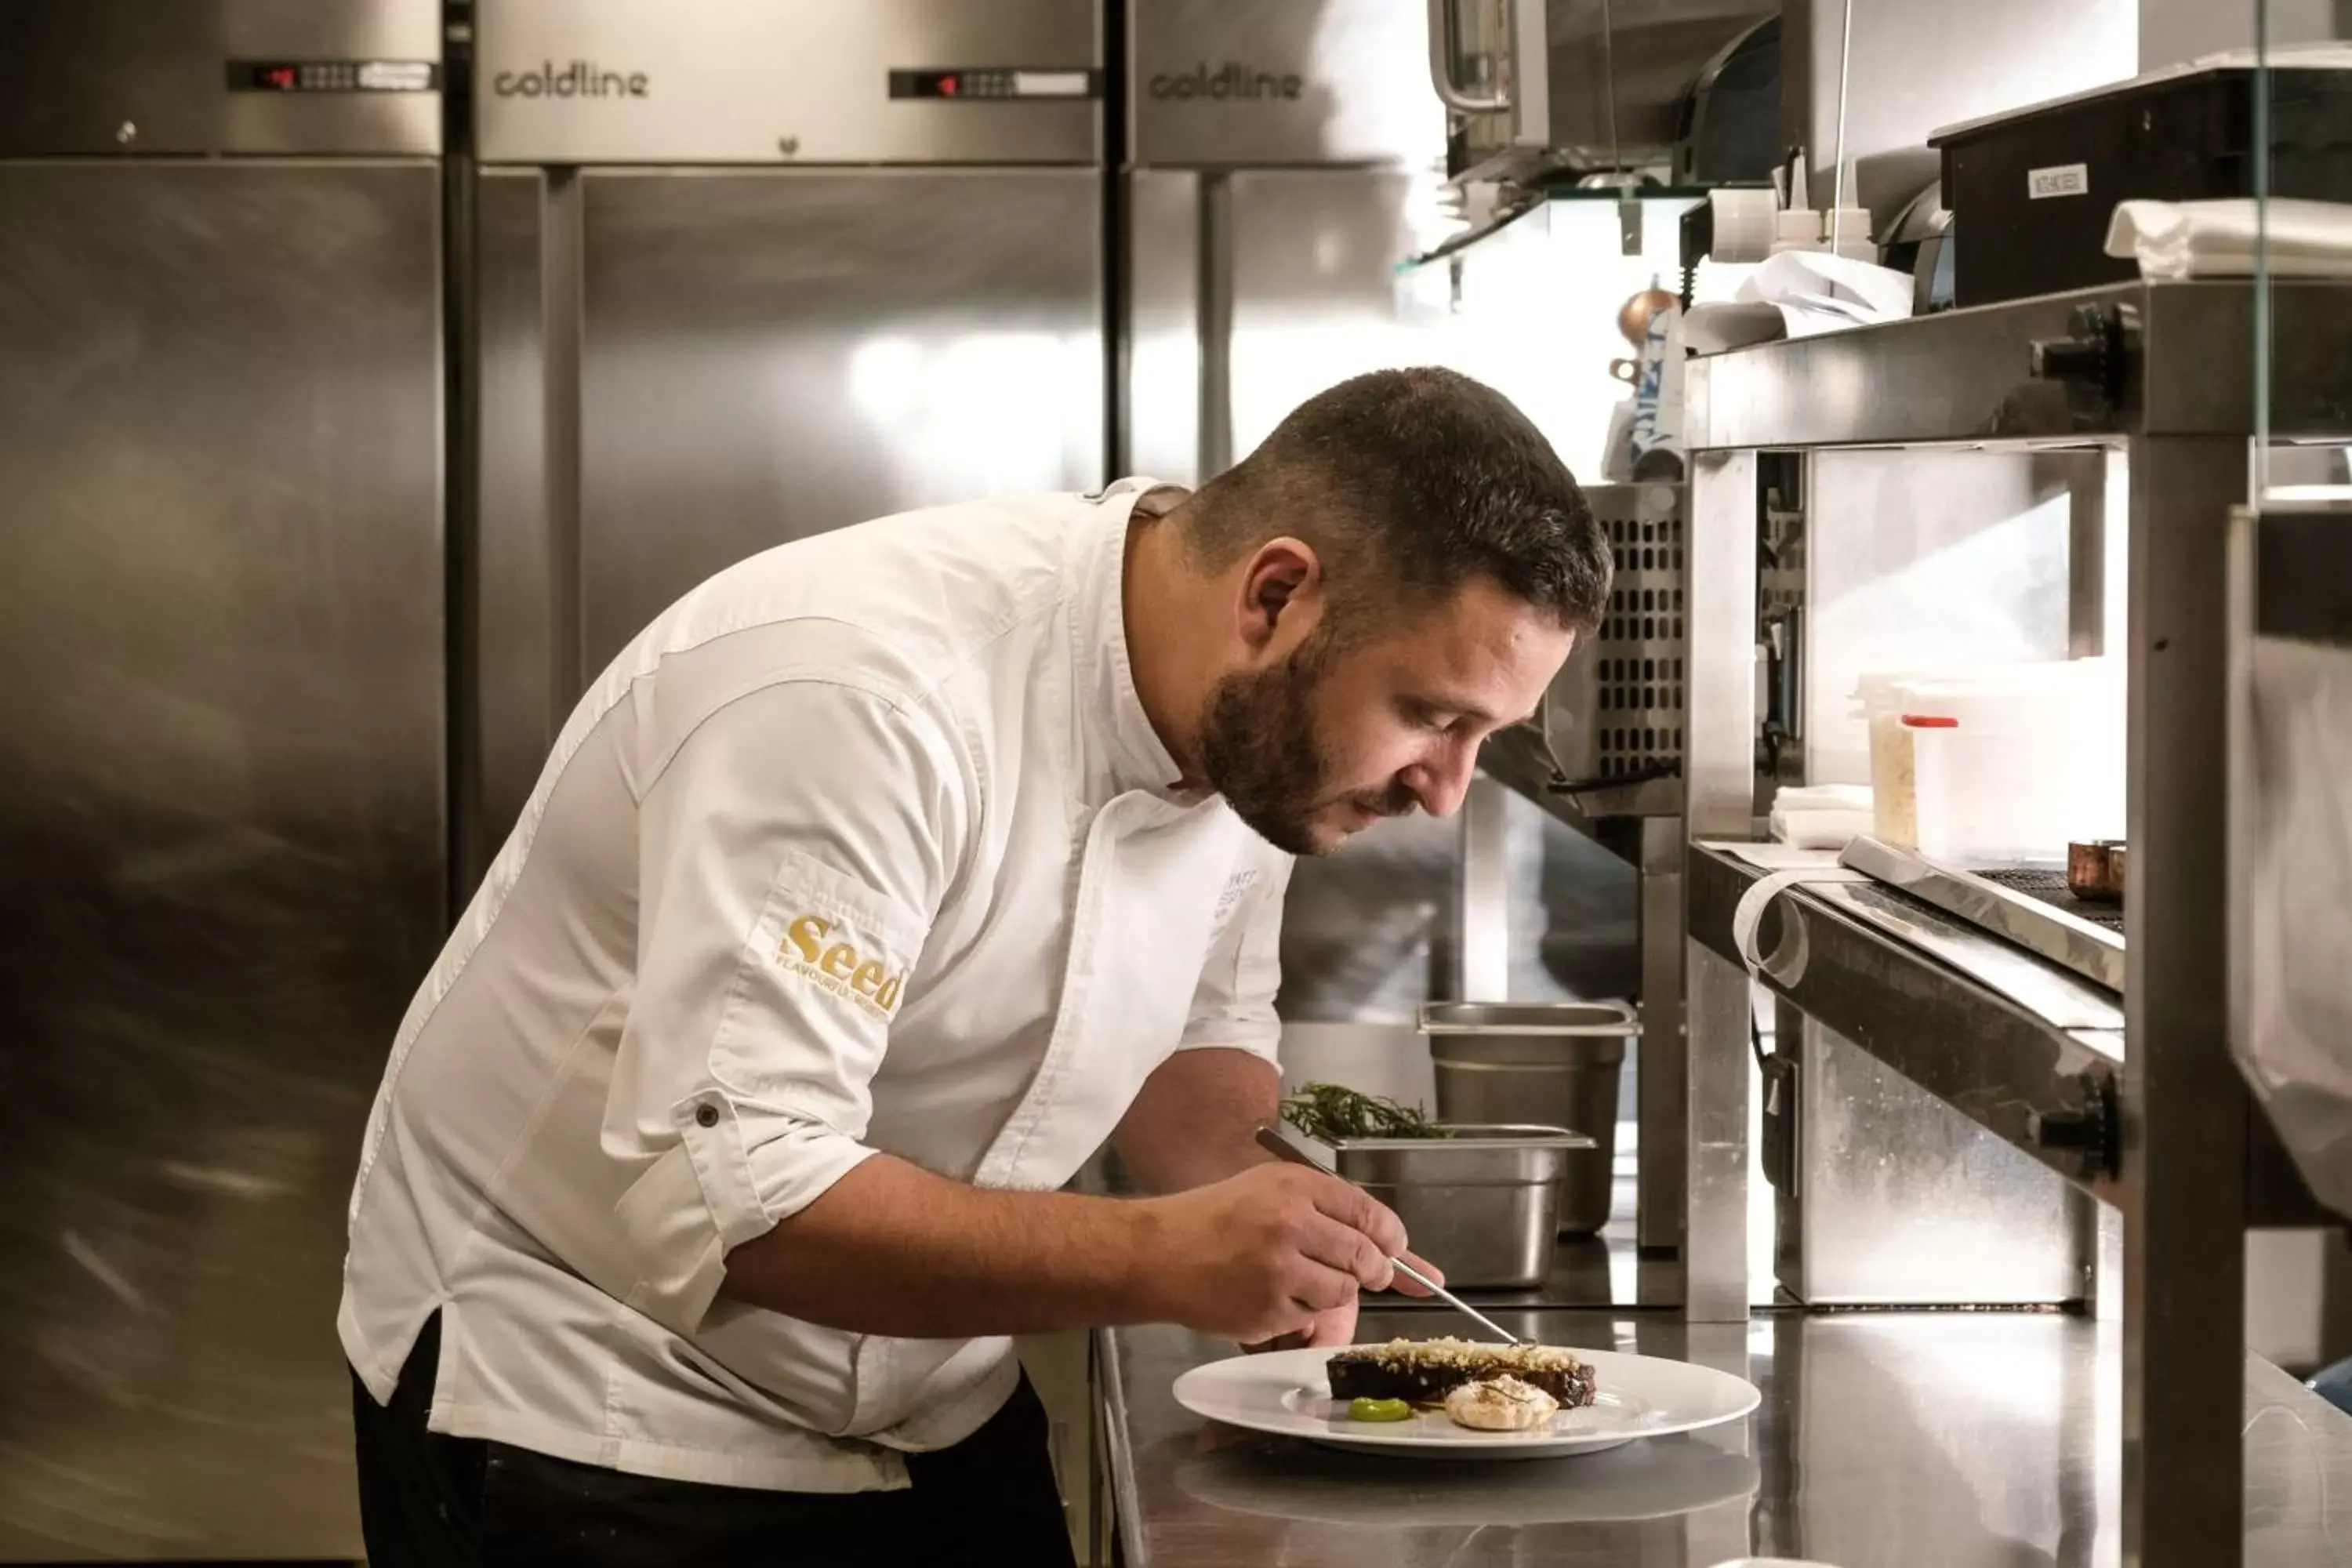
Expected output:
{"points": [[831, 954], [832, 934]]}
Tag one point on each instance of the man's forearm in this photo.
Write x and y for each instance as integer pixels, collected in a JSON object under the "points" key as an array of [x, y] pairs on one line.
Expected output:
{"points": [[1196, 1119], [893, 1249]]}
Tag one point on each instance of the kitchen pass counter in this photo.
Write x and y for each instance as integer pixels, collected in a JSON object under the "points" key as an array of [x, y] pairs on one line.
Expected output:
{"points": [[1886, 1440]]}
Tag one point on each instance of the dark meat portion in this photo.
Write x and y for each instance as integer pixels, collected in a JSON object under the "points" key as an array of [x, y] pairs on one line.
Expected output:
{"points": [[1424, 1372]]}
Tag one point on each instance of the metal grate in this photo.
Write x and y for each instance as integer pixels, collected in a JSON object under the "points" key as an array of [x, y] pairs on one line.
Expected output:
{"points": [[1613, 722], [2050, 887], [1637, 691]]}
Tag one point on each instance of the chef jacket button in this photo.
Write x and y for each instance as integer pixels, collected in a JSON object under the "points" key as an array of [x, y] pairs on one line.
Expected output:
{"points": [[705, 1115]]}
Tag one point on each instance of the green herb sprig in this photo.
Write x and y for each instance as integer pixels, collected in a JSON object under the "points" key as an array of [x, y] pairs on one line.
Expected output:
{"points": [[1331, 1113]]}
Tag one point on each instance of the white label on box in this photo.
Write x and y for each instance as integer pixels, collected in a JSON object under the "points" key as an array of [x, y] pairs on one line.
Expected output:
{"points": [[2058, 179]]}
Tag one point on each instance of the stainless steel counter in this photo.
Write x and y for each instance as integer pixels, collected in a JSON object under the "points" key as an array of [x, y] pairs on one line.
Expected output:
{"points": [[1886, 1440]]}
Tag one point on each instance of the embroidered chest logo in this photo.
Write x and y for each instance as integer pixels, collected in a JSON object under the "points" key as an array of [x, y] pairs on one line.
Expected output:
{"points": [[813, 949], [1236, 885]]}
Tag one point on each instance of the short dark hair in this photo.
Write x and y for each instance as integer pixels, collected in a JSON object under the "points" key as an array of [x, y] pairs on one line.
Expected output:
{"points": [[1408, 483]]}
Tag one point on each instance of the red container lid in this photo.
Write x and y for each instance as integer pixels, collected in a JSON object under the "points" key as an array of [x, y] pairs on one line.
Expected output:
{"points": [[1929, 722]]}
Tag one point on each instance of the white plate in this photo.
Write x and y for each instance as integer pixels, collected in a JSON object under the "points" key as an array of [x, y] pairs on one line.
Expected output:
{"points": [[1285, 1393]]}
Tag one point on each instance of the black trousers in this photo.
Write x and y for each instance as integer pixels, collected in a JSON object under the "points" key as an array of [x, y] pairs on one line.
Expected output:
{"points": [[428, 1500]]}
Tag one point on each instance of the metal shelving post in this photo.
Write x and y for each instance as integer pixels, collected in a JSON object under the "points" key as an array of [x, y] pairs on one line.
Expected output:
{"points": [[1720, 788]]}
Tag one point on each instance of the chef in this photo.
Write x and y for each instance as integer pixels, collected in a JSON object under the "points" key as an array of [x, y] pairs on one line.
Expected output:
{"points": [[882, 880]]}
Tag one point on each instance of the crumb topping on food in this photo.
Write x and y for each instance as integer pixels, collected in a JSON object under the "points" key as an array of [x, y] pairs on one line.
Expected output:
{"points": [[1398, 1355]]}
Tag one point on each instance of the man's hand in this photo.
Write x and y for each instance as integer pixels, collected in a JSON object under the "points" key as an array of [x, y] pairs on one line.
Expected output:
{"points": [[891, 1248], [1336, 1327], [1276, 1250]]}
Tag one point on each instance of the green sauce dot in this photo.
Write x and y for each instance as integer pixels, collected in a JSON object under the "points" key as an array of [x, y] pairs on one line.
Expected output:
{"points": [[1378, 1410]]}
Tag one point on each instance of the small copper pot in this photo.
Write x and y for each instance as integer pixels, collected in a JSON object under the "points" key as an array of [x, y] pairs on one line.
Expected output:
{"points": [[2095, 870]]}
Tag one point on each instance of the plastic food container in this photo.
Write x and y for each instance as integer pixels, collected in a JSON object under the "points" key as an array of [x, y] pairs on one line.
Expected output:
{"points": [[2008, 770], [1553, 1062], [1881, 699]]}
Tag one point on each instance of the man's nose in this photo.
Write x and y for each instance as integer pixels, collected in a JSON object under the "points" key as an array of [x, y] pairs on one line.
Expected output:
{"points": [[1441, 781]]}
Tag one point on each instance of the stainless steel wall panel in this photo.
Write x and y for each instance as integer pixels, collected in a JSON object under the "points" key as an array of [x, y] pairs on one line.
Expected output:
{"points": [[769, 354], [150, 77], [1901, 1200], [220, 818], [1228, 82], [1927, 561], [768, 81]]}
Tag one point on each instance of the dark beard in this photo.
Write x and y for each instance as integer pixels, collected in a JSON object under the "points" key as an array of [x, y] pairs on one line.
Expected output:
{"points": [[1258, 747], [1259, 751]]}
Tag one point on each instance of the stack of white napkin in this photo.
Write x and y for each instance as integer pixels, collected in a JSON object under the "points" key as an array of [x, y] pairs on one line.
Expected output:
{"points": [[2219, 238], [1820, 816]]}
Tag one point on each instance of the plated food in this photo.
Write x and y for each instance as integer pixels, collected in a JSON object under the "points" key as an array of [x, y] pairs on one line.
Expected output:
{"points": [[1491, 1388], [1289, 1393]]}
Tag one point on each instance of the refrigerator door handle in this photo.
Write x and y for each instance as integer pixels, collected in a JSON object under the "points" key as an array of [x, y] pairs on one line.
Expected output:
{"points": [[1524, 91], [1440, 67]]}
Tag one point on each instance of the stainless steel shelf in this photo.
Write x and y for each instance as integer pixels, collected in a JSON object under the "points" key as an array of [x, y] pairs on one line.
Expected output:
{"points": [[1967, 377], [2045, 1087], [2067, 939], [1947, 1016]]}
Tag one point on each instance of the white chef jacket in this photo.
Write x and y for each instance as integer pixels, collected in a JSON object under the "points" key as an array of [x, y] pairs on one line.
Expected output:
{"points": [[866, 844]]}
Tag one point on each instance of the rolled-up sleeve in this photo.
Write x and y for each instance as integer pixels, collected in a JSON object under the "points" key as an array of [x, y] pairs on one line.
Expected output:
{"points": [[793, 851], [1232, 1006]]}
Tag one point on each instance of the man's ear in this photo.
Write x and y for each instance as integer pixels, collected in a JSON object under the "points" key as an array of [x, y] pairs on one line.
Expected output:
{"points": [[1280, 575]]}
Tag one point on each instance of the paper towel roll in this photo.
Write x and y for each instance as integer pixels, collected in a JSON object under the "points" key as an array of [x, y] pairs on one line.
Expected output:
{"points": [[1743, 225], [1748, 915]]}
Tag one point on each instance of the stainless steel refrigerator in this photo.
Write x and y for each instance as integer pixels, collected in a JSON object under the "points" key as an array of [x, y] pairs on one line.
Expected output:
{"points": [[221, 767], [750, 269], [1281, 160]]}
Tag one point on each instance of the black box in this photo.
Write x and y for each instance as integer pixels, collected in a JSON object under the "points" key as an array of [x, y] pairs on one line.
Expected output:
{"points": [[2032, 193]]}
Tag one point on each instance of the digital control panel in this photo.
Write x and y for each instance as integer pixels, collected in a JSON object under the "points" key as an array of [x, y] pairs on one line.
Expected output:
{"points": [[332, 76], [981, 84]]}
